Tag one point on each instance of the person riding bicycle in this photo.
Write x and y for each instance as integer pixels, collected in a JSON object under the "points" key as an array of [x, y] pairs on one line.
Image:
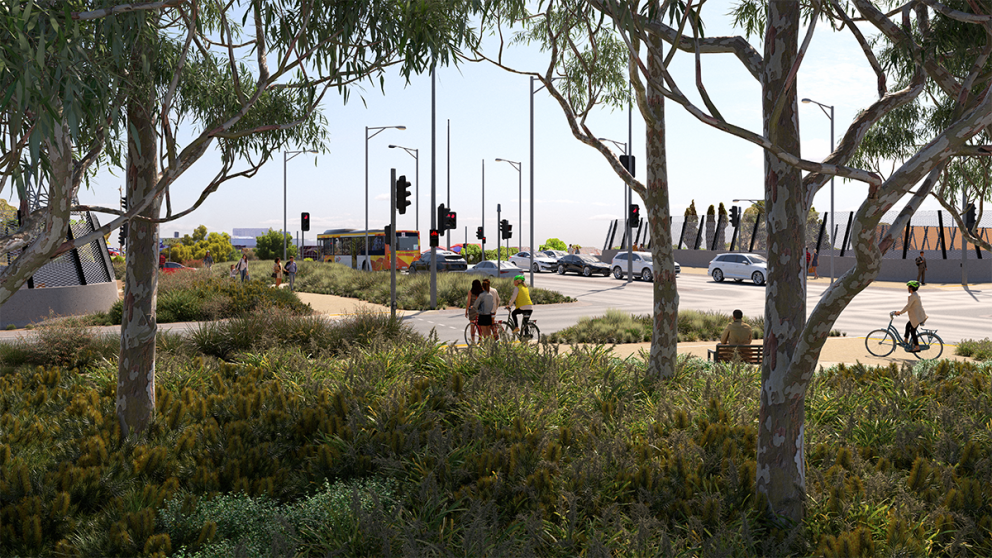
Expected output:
{"points": [[914, 306], [520, 297]]}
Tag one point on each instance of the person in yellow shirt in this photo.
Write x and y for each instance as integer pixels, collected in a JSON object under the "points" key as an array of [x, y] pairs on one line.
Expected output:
{"points": [[737, 332], [520, 297]]}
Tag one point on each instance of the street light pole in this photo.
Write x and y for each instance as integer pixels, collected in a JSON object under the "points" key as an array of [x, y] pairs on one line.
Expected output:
{"points": [[415, 153], [532, 247], [832, 239], [378, 130], [285, 223], [628, 199], [520, 182]]}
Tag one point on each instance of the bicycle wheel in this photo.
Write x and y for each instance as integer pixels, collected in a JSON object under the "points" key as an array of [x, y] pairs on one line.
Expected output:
{"points": [[503, 331], [931, 346], [468, 334], [880, 343], [531, 334]]}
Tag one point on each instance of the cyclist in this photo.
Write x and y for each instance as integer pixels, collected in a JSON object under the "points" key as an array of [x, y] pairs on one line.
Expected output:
{"points": [[520, 297], [914, 307]]}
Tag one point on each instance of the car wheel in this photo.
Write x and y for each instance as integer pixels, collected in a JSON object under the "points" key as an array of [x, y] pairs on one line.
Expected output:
{"points": [[586, 271], [646, 275], [758, 278], [535, 268], [561, 269], [606, 273], [617, 272], [717, 275]]}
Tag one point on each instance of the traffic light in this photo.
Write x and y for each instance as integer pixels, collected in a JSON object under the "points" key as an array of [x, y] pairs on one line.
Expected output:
{"points": [[969, 217], [446, 218], [479, 233], [402, 194], [435, 238], [505, 229], [450, 220], [388, 229], [735, 216], [634, 215], [122, 238], [304, 221]]}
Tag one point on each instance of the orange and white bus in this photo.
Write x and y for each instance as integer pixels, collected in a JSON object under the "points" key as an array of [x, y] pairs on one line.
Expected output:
{"points": [[347, 247]]}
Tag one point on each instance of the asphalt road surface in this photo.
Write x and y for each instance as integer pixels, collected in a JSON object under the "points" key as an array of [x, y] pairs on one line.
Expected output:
{"points": [[955, 312]]}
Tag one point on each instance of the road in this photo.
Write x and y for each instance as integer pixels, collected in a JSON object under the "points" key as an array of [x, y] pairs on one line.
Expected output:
{"points": [[956, 312]]}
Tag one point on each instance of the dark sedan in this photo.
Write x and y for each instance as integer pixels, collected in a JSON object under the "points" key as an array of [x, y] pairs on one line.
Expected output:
{"points": [[586, 265], [446, 261]]}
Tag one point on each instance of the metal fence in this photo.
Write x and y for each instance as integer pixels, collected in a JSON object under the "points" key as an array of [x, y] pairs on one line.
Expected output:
{"points": [[83, 265]]}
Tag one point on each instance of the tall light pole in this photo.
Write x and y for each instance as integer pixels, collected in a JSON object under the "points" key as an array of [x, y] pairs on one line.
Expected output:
{"points": [[378, 130], [415, 153], [830, 115], [627, 201], [520, 214], [286, 156]]}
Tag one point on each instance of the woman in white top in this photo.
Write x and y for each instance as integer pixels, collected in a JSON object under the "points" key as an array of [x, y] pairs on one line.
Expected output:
{"points": [[914, 307]]}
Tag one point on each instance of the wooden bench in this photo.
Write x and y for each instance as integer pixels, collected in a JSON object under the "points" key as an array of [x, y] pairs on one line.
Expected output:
{"points": [[726, 353]]}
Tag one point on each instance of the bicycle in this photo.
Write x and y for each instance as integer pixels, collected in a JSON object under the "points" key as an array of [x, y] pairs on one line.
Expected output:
{"points": [[529, 332], [881, 342], [501, 331]]}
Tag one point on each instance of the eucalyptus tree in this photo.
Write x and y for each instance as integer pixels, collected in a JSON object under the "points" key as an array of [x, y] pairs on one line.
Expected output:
{"points": [[792, 343], [237, 80]]}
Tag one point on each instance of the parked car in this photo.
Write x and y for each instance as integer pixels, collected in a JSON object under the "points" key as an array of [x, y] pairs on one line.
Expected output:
{"points": [[489, 268], [584, 264], [172, 267], [541, 261], [446, 261], [113, 251], [739, 267], [643, 265], [555, 254]]}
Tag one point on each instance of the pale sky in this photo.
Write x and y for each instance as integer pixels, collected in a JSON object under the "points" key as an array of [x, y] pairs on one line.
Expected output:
{"points": [[576, 192]]}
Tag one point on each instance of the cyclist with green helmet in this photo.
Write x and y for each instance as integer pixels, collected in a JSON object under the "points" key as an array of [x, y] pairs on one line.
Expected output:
{"points": [[914, 307], [520, 297]]}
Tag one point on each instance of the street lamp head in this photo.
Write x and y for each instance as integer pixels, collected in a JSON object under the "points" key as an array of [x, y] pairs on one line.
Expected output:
{"points": [[393, 146], [807, 101], [400, 127], [498, 160]]}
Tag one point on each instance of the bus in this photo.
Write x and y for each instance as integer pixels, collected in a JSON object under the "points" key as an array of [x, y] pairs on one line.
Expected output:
{"points": [[347, 247]]}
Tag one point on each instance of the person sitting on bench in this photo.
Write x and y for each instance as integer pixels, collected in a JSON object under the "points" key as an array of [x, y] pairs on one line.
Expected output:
{"points": [[737, 332]]}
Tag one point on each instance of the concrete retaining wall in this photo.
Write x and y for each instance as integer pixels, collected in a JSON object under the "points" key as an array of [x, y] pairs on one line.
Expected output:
{"points": [[893, 269], [32, 305]]}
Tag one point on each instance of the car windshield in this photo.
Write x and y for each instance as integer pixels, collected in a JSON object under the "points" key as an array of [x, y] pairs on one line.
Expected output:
{"points": [[646, 257], [555, 253], [589, 259]]}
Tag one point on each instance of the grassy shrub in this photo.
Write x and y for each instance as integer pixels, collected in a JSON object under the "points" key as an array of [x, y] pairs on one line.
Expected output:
{"points": [[412, 291], [64, 342], [496, 450], [978, 350], [198, 296], [620, 327]]}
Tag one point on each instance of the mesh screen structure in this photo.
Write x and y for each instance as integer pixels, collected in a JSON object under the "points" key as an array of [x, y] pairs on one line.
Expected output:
{"points": [[84, 265]]}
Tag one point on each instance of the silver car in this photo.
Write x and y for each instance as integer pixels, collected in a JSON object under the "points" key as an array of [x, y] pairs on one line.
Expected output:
{"points": [[489, 268], [739, 267], [541, 261], [643, 265]]}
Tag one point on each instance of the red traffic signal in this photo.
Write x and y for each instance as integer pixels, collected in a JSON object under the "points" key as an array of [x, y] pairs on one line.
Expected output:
{"points": [[304, 221], [435, 238]]}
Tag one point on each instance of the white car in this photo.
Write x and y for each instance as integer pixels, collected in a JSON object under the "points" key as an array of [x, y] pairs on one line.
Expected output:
{"points": [[739, 267], [643, 265], [541, 261], [488, 268], [554, 254]]}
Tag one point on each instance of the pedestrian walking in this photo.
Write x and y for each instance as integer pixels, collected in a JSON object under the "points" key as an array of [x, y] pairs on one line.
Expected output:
{"points": [[277, 272], [813, 263], [291, 272], [921, 269], [242, 267], [485, 306], [234, 272], [208, 260]]}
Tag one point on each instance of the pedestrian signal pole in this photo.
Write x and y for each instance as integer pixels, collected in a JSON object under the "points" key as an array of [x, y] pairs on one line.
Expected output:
{"points": [[392, 243]]}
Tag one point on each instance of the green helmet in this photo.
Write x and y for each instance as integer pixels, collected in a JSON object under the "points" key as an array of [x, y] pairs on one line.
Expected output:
{"points": [[519, 278], [913, 284]]}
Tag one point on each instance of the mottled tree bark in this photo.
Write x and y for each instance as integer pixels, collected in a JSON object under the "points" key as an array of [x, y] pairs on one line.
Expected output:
{"points": [[136, 367], [780, 468], [664, 336]]}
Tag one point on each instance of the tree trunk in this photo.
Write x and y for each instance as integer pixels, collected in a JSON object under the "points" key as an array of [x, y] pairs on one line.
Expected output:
{"points": [[780, 466], [664, 335], [136, 367]]}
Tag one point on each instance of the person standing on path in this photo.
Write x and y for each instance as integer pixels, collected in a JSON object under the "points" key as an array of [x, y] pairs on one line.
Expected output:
{"points": [[813, 263], [470, 311], [485, 306], [921, 269], [291, 272], [208, 260]]}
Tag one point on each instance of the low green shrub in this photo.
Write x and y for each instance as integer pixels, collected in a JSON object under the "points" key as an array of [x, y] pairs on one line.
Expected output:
{"points": [[978, 350], [65, 342], [621, 327]]}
